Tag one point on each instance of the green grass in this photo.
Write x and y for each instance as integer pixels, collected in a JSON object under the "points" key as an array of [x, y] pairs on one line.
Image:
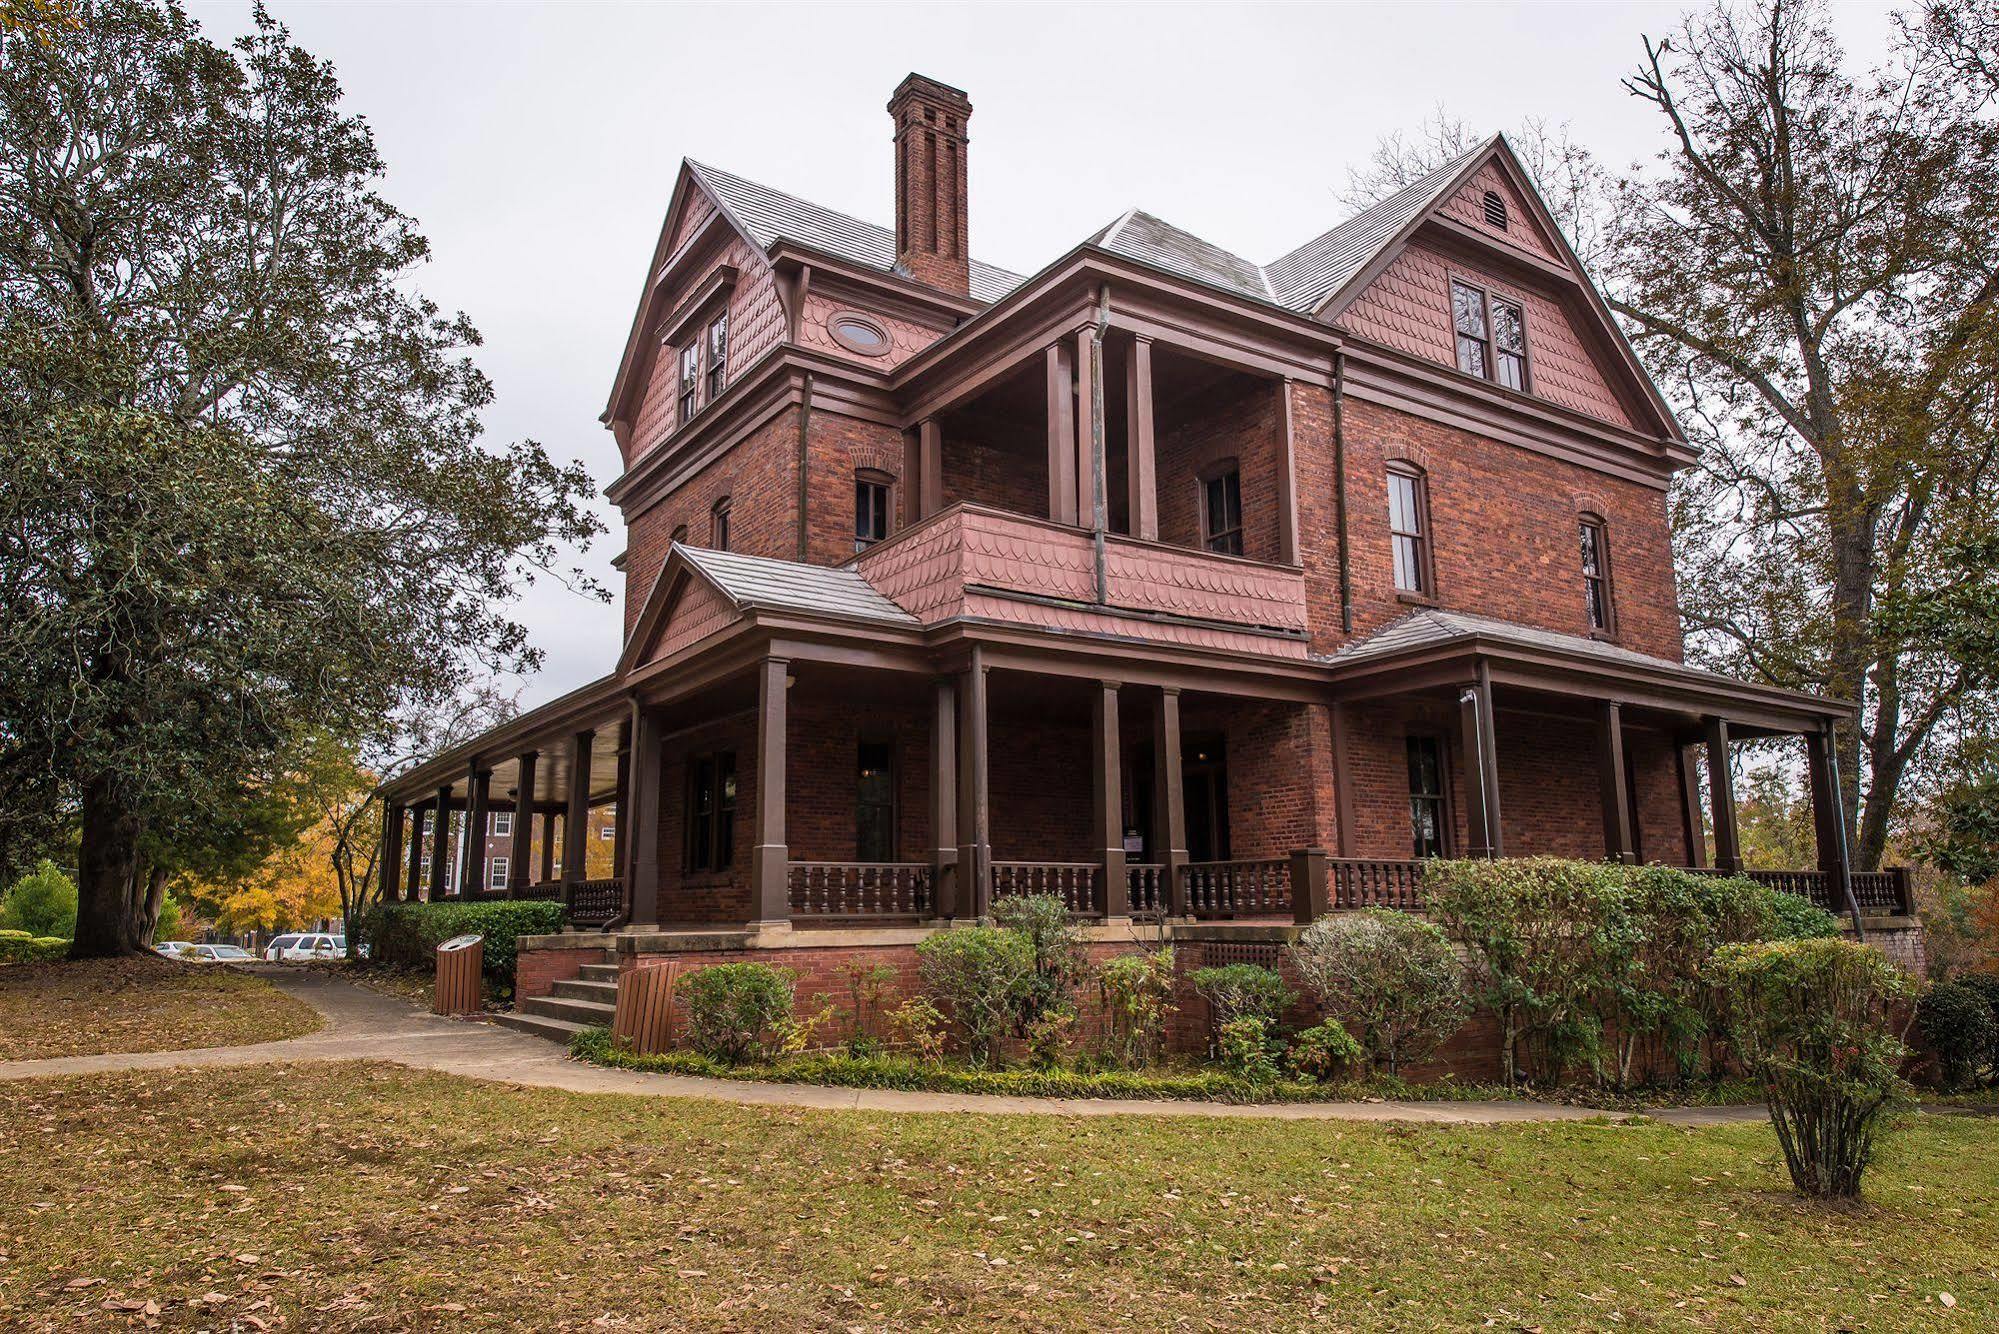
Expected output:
{"points": [[357, 1196], [139, 1004]]}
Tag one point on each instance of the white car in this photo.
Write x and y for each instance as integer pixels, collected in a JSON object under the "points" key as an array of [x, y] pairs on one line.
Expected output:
{"points": [[305, 947], [171, 949], [215, 954]]}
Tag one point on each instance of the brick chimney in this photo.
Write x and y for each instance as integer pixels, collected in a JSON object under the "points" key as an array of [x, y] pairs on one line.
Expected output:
{"points": [[930, 120]]}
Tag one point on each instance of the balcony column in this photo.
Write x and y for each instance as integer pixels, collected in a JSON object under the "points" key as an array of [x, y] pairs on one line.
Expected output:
{"points": [[770, 857], [576, 812], [642, 808], [1617, 841], [1107, 799], [1169, 801], [930, 467], [1481, 765], [1141, 455], [946, 893], [1721, 796], [1692, 828], [392, 849], [1092, 504], [414, 871], [1061, 435], [975, 849], [1829, 821], [1287, 479], [472, 843], [522, 856]]}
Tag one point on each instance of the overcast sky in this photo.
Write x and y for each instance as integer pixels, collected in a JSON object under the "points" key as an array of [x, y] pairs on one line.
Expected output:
{"points": [[537, 145]]}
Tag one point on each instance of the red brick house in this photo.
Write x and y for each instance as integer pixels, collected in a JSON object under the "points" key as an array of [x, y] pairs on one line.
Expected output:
{"points": [[1183, 586]]}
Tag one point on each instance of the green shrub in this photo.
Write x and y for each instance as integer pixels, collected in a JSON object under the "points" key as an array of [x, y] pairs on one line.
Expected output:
{"points": [[736, 1011], [1137, 995], [1242, 991], [981, 975], [1798, 918], [1244, 1047], [1987, 987], [1324, 1054], [1957, 1023], [1043, 921], [20, 947], [409, 933], [1389, 979], [867, 988], [41, 903], [1812, 1018]]}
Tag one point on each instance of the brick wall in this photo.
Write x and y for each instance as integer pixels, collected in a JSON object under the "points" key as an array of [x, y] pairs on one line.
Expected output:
{"points": [[1239, 421]]}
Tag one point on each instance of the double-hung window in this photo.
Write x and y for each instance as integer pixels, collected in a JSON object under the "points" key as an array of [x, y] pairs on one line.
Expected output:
{"points": [[1491, 335], [1426, 796], [871, 496], [1596, 574], [1221, 511], [690, 381], [711, 812], [1409, 529], [718, 355]]}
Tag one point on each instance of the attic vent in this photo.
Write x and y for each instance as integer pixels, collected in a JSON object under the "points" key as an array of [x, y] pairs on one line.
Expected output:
{"points": [[1495, 210]]}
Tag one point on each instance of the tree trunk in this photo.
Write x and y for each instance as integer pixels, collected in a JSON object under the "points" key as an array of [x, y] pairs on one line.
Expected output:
{"points": [[106, 865], [148, 915]]}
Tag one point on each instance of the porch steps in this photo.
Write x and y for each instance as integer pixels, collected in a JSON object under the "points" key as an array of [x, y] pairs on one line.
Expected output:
{"points": [[572, 1005], [540, 1026], [599, 972]]}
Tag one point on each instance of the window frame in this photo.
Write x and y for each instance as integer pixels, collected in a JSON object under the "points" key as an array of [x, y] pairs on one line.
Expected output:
{"points": [[687, 395], [496, 872], [1426, 572], [892, 807], [1441, 798], [719, 524], [500, 824], [714, 376], [838, 334], [708, 837], [1221, 471], [1591, 522], [1489, 343], [874, 478]]}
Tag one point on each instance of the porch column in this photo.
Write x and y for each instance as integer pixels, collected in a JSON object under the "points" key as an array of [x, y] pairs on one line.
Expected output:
{"points": [[930, 469], [1061, 435], [975, 849], [1481, 765], [621, 806], [1721, 796], [770, 859], [1343, 782], [1169, 800], [1692, 827], [1287, 479], [392, 849], [413, 889], [1829, 822], [946, 893], [1141, 457], [472, 849], [1617, 841], [642, 807], [547, 846], [576, 815], [522, 855], [440, 846], [1107, 798]]}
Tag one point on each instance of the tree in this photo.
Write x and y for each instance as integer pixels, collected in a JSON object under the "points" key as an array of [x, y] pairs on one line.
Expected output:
{"points": [[1809, 271], [42, 902], [243, 499]]}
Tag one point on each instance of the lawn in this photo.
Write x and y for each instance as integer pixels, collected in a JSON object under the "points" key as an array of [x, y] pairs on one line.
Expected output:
{"points": [[360, 1196], [142, 1004]]}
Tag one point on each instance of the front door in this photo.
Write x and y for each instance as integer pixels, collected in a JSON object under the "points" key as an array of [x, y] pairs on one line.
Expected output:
{"points": [[1205, 772]]}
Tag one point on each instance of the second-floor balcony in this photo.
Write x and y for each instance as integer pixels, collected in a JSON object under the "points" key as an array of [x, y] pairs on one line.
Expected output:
{"points": [[977, 562]]}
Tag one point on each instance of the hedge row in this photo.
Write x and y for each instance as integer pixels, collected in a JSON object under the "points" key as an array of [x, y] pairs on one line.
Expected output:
{"points": [[21, 947], [409, 933]]}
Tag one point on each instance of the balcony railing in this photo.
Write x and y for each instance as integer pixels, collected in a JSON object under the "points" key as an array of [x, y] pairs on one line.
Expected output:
{"points": [[832, 890], [1075, 883], [596, 902], [1363, 882], [1257, 888]]}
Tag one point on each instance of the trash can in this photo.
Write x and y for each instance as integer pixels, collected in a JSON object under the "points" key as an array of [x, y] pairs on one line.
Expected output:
{"points": [[643, 1019], [460, 986]]}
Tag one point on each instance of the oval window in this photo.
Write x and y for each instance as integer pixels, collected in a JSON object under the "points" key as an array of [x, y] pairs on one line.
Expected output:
{"points": [[857, 333]]}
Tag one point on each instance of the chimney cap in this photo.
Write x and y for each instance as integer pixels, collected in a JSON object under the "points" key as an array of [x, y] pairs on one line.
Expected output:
{"points": [[922, 85]]}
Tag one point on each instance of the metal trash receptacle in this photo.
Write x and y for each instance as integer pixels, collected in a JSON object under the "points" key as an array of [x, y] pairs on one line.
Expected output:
{"points": [[460, 987]]}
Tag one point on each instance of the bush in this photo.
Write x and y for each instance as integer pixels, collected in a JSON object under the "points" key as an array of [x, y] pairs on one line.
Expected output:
{"points": [[1137, 995], [1798, 918], [1324, 1053], [1812, 1019], [981, 975], [1389, 979], [867, 987], [1244, 1047], [1242, 991], [41, 903], [736, 1011], [1987, 987], [409, 933], [1043, 921], [20, 947], [1957, 1023]]}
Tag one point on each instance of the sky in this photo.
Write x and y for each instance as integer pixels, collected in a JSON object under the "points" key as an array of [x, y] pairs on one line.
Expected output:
{"points": [[537, 145]]}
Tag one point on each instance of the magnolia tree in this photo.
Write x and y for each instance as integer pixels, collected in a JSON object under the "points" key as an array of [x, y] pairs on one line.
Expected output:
{"points": [[243, 497]]}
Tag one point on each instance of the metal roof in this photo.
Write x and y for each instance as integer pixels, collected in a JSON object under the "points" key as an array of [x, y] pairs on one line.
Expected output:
{"points": [[759, 581], [1431, 627], [765, 215]]}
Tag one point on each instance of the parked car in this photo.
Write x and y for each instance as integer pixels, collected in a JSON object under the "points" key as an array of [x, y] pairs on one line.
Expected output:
{"points": [[171, 949], [216, 954], [304, 947]]}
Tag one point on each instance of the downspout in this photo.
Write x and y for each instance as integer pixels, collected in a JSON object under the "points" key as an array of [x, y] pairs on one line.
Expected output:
{"points": [[1099, 517], [1839, 824], [1340, 485], [804, 473]]}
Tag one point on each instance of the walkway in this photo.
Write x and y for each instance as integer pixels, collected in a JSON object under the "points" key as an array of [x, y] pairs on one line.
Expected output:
{"points": [[365, 1025]]}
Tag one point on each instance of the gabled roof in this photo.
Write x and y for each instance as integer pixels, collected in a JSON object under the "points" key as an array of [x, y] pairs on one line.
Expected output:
{"points": [[766, 216], [759, 581]]}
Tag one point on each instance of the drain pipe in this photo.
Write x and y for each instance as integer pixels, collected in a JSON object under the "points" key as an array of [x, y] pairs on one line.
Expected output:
{"points": [[1340, 485], [1099, 478], [805, 470], [1839, 826]]}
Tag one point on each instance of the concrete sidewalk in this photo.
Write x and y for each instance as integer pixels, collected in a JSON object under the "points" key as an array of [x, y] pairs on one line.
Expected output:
{"points": [[365, 1025]]}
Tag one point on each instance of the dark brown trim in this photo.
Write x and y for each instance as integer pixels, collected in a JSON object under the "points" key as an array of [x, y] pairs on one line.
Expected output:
{"points": [[691, 315]]}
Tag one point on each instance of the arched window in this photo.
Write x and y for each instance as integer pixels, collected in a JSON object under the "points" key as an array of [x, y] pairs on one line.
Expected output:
{"points": [[1409, 529], [718, 526], [873, 494], [1595, 536]]}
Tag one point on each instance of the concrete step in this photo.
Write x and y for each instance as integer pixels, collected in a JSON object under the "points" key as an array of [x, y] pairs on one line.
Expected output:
{"points": [[599, 972], [587, 989], [541, 1026], [575, 1011]]}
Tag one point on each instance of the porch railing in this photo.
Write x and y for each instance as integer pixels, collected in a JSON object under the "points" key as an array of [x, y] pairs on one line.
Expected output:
{"points": [[859, 889], [596, 902], [1239, 888], [1368, 882], [1075, 883], [1145, 888], [1879, 893]]}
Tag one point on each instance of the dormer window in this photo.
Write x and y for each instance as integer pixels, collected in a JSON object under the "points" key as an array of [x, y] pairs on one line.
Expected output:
{"points": [[690, 380], [1495, 210], [718, 355], [1492, 335]]}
